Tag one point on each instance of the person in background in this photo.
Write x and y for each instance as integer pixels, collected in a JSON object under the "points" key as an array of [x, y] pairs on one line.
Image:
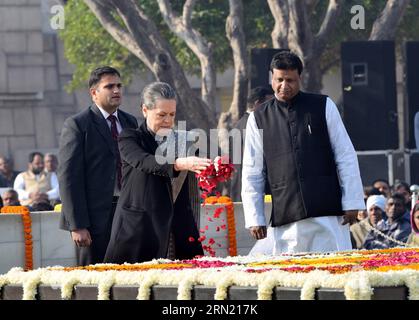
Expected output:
{"points": [[41, 206], [10, 198], [368, 191], [413, 239], [404, 189], [50, 162], [396, 227], [256, 97], [35, 185], [376, 205], [7, 174], [382, 185], [51, 165]]}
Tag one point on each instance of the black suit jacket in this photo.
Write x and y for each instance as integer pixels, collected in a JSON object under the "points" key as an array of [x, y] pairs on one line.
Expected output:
{"points": [[145, 214], [87, 169]]}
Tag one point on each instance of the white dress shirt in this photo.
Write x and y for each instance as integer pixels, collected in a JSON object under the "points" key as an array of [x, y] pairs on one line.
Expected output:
{"points": [[312, 234], [106, 115]]}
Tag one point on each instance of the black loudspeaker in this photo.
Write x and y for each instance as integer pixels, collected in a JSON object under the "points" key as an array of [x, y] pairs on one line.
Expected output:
{"points": [[373, 167], [370, 94], [260, 60], [412, 90], [414, 168]]}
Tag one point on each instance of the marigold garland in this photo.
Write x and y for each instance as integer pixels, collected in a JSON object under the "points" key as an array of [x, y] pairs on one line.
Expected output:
{"points": [[336, 263], [27, 231], [231, 224], [219, 170]]}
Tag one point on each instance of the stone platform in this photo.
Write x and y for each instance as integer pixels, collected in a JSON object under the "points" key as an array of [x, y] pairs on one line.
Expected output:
{"points": [[199, 292]]}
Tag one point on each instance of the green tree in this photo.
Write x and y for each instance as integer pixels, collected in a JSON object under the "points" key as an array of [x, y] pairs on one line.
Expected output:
{"points": [[132, 34], [87, 44]]}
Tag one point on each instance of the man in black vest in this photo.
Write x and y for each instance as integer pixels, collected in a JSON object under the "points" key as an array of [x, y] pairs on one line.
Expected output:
{"points": [[311, 167]]}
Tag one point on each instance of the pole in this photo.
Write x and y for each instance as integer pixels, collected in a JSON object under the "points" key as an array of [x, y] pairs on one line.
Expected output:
{"points": [[415, 194]]}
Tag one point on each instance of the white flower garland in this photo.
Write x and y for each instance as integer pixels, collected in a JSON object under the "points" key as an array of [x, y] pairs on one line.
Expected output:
{"points": [[356, 285]]}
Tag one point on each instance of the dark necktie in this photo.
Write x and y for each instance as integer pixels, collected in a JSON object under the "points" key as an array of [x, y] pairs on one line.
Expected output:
{"points": [[114, 132]]}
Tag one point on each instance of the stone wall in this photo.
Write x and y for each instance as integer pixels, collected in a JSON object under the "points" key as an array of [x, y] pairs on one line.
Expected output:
{"points": [[32, 101], [33, 74]]}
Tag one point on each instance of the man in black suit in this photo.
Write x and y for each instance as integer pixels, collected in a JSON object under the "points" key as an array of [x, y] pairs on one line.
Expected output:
{"points": [[257, 96], [89, 171]]}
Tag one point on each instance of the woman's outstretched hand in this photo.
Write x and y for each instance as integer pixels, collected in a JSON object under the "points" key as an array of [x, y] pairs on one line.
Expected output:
{"points": [[194, 164]]}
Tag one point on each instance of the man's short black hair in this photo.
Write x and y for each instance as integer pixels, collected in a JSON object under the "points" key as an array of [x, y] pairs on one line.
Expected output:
{"points": [[98, 73], [32, 156], [401, 184], [259, 93], [286, 60], [41, 206], [371, 191], [380, 180]]}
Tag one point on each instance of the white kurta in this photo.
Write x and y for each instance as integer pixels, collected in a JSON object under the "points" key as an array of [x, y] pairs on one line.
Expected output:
{"points": [[312, 234]]}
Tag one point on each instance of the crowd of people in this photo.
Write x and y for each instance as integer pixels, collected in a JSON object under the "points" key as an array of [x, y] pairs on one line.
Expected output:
{"points": [[120, 204], [389, 219], [37, 187]]}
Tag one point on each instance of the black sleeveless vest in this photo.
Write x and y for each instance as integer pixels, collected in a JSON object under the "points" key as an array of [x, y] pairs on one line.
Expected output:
{"points": [[299, 159]]}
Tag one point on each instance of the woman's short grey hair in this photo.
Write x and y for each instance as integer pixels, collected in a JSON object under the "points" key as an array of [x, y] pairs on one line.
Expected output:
{"points": [[155, 91]]}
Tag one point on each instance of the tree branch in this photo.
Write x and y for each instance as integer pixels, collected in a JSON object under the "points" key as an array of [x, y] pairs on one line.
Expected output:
{"points": [[196, 42], [333, 63], [300, 36], [187, 12], [141, 37], [235, 33], [280, 13], [385, 26], [311, 4], [101, 9], [328, 25]]}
